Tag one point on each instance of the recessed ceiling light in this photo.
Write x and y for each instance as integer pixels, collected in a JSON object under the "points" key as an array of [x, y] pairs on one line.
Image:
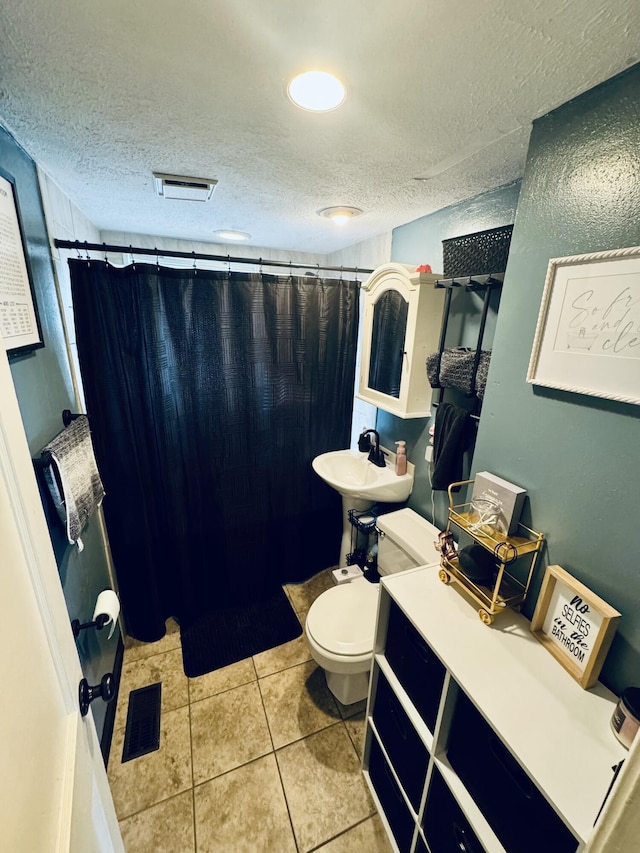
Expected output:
{"points": [[316, 91], [226, 234], [340, 214]]}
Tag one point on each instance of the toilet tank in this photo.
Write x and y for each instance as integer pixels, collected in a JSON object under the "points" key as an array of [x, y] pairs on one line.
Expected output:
{"points": [[408, 542]]}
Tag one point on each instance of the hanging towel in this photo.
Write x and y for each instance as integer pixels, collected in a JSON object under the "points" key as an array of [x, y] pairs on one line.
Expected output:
{"points": [[452, 436], [453, 368], [82, 491]]}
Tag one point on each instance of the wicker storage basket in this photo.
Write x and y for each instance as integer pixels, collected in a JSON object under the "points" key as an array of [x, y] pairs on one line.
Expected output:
{"points": [[477, 254]]}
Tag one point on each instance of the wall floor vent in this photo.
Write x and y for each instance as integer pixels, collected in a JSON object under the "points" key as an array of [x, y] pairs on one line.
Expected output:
{"points": [[142, 731], [183, 188]]}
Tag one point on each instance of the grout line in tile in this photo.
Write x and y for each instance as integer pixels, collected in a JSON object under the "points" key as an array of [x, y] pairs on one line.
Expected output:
{"points": [[140, 644], [193, 788], [193, 816], [302, 737], [283, 669], [311, 734], [222, 692], [266, 716], [286, 802], [339, 834], [353, 745], [231, 770], [191, 746], [153, 805]]}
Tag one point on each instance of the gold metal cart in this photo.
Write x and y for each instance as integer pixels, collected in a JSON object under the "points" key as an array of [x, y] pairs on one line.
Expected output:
{"points": [[510, 586]]}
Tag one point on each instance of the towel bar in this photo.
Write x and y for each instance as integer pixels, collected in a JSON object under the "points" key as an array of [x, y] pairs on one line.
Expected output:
{"points": [[471, 415], [68, 416], [44, 460]]}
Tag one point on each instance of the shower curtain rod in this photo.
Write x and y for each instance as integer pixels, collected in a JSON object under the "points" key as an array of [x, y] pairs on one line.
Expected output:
{"points": [[81, 246]]}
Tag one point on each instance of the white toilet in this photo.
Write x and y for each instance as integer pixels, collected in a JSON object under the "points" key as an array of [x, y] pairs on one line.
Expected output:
{"points": [[341, 622]]}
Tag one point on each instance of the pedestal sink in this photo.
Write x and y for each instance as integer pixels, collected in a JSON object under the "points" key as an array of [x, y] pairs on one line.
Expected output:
{"points": [[361, 484]]}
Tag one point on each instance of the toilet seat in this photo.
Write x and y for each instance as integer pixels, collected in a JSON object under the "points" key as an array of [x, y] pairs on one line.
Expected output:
{"points": [[342, 620]]}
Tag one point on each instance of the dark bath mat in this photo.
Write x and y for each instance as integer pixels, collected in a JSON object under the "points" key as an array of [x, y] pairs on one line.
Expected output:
{"points": [[226, 636], [142, 733]]}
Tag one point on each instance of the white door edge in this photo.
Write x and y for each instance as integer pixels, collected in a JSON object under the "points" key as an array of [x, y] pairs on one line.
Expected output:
{"points": [[67, 786], [73, 800], [25, 526]]}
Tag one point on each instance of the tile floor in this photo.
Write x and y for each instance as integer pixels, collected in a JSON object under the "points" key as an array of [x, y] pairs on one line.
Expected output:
{"points": [[257, 756]]}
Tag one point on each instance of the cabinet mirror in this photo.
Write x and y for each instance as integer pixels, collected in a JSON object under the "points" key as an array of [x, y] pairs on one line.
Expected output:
{"points": [[387, 343]]}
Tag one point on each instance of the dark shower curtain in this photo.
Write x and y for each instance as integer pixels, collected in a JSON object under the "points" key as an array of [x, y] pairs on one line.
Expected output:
{"points": [[209, 393]]}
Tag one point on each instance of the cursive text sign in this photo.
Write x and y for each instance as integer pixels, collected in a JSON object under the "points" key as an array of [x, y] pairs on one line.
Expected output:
{"points": [[587, 338]]}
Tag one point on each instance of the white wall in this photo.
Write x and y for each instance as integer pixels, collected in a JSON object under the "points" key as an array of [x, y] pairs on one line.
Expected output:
{"points": [[150, 241], [65, 221], [368, 254]]}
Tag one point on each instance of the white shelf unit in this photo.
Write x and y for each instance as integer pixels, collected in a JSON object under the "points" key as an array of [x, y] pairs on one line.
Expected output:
{"points": [[442, 685]]}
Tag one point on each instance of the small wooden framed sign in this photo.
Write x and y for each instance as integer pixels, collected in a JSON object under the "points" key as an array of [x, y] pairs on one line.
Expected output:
{"points": [[574, 624]]}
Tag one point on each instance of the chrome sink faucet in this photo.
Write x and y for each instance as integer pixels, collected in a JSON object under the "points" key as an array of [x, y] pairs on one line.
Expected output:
{"points": [[376, 455]]}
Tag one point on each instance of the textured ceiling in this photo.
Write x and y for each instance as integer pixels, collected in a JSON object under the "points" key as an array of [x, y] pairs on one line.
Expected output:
{"points": [[102, 95]]}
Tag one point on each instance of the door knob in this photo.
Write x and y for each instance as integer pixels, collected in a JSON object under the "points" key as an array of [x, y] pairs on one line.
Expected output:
{"points": [[86, 694]]}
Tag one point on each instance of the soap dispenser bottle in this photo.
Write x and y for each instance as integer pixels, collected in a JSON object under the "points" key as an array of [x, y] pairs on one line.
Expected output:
{"points": [[401, 458]]}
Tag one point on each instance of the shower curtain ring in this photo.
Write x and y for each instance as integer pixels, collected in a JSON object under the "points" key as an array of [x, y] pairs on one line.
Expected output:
{"points": [[133, 260], [341, 272], [195, 268], [157, 258], [106, 259]]}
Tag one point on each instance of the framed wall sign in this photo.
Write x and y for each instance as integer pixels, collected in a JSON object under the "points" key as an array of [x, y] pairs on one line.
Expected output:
{"points": [[19, 321], [588, 335], [574, 624]]}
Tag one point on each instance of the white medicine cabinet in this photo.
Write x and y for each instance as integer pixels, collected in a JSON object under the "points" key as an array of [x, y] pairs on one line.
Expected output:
{"points": [[402, 317]]}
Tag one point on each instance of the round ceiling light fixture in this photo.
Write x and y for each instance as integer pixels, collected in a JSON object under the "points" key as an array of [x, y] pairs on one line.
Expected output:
{"points": [[340, 214], [316, 91], [228, 234]]}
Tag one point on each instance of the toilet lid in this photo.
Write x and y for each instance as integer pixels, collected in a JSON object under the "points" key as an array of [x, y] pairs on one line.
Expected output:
{"points": [[343, 619]]}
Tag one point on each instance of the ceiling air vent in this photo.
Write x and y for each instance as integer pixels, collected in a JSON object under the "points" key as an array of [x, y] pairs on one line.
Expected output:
{"points": [[185, 189]]}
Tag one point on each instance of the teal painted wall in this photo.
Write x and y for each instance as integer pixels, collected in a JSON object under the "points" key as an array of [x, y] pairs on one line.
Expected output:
{"points": [[43, 386], [577, 456], [421, 242]]}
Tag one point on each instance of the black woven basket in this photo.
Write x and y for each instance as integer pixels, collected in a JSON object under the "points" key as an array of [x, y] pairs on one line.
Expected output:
{"points": [[477, 254]]}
